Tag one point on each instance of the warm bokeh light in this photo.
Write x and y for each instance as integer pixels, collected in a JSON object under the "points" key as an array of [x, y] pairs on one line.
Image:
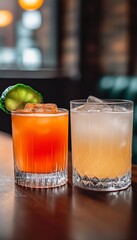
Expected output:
{"points": [[5, 18], [30, 4]]}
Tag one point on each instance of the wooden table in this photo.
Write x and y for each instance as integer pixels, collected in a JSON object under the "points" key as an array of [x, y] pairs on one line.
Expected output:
{"points": [[64, 213]]}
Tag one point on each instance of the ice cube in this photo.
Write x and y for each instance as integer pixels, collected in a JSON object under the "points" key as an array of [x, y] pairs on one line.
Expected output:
{"points": [[50, 108], [33, 107], [88, 108], [93, 104], [40, 108], [29, 106], [92, 99], [98, 104], [119, 109]]}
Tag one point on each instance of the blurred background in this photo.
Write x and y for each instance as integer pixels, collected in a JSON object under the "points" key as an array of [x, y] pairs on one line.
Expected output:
{"points": [[69, 49]]}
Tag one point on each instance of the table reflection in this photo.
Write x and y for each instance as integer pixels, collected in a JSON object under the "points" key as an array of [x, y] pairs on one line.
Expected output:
{"points": [[103, 209]]}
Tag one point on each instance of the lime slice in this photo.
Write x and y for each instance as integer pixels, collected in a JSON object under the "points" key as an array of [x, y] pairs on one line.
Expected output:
{"points": [[16, 96]]}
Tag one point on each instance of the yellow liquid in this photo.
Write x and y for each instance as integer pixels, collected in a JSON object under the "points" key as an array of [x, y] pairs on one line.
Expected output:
{"points": [[101, 143]]}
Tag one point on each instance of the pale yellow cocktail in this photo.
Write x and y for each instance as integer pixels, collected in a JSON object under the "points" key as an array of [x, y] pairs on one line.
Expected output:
{"points": [[101, 146]]}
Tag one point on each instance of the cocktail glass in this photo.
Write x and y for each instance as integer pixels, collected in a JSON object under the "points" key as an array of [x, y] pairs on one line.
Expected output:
{"points": [[101, 134], [40, 144]]}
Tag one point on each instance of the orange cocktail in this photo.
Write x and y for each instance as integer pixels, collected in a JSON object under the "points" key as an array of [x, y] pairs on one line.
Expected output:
{"points": [[40, 142]]}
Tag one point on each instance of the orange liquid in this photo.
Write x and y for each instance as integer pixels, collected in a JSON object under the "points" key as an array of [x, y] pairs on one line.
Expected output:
{"points": [[40, 142]]}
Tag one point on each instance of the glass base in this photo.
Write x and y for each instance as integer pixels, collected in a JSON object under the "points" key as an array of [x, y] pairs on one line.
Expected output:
{"points": [[103, 184], [40, 180]]}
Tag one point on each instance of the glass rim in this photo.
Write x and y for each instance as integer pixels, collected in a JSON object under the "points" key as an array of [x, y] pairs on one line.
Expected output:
{"points": [[18, 112], [106, 101]]}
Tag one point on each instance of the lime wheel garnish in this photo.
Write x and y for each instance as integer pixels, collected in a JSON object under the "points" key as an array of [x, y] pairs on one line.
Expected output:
{"points": [[15, 97]]}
